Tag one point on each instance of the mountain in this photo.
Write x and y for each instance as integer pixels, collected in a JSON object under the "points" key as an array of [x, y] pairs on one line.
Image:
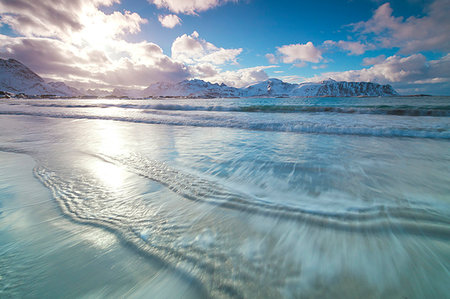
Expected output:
{"points": [[272, 88], [331, 88], [64, 89], [269, 88], [343, 89], [192, 88], [16, 78]]}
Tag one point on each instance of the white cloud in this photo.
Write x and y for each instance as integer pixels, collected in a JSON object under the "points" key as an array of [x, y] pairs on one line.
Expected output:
{"points": [[427, 33], [317, 67], [241, 77], [188, 6], [300, 64], [191, 49], [271, 58], [355, 48], [169, 21], [300, 53], [203, 70], [374, 60]]}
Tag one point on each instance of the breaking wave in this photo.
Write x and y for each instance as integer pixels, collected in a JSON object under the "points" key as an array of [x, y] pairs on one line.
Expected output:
{"points": [[299, 126], [400, 110]]}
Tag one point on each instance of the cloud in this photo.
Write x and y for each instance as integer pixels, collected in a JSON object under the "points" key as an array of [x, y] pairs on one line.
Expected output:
{"points": [[317, 67], [300, 53], [191, 49], [300, 64], [74, 41], [204, 70], [141, 63], [169, 21], [242, 77], [355, 48], [63, 18], [271, 58], [86, 48], [413, 69], [414, 34], [374, 60], [191, 7]]}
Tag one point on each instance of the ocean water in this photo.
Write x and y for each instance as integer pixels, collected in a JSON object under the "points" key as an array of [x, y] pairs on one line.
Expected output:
{"points": [[225, 198]]}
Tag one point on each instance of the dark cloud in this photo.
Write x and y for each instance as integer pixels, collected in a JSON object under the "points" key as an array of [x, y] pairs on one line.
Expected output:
{"points": [[42, 18]]}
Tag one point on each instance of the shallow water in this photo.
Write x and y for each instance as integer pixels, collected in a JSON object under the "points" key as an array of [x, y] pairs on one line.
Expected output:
{"points": [[320, 197]]}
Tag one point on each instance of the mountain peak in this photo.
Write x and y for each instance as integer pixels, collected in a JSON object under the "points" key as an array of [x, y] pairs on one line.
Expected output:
{"points": [[15, 77]]}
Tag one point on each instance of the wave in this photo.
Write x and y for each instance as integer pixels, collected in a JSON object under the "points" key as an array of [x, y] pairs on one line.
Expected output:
{"points": [[359, 219], [149, 227], [437, 132], [399, 110]]}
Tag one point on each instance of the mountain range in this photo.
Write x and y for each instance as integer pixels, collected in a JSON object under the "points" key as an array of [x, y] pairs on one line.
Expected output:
{"points": [[16, 78]]}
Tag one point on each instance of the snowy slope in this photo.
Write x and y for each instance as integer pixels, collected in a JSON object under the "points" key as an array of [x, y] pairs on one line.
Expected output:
{"points": [[17, 78], [64, 89]]}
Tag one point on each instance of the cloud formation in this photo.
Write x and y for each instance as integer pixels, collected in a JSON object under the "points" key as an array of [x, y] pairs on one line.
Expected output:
{"points": [[85, 47], [300, 53], [374, 60], [191, 7], [242, 77], [191, 49], [63, 18], [414, 34], [413, 70], [73, 40], [354, 48], [169, 21], [271, 58]]}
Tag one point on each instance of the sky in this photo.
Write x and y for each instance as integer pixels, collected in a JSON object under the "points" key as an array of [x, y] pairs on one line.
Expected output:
{"points": [[107, 44]]}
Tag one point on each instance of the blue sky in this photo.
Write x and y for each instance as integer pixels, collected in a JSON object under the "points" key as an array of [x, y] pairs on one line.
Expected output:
{"points": [[107, 43]]}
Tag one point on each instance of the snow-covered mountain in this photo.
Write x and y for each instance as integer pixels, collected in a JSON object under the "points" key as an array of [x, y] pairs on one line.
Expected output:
{"points": [[342, 89], [65, 89], [269, 88], [272, 88], [278, 88], [192, 88], [16, 78]]}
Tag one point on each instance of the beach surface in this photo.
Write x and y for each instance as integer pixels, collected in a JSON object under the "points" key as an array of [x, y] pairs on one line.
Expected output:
{"points": [[225, 198]]}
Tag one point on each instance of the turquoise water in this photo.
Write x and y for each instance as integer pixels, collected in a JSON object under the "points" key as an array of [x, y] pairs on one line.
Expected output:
{"points": [[270, 198]]}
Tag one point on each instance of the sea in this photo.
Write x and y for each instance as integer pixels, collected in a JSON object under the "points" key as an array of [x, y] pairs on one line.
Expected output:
{"points": [[225, 198]]}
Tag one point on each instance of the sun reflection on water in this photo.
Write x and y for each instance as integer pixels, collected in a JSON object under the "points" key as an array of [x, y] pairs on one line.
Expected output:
{"points": [[109, 140], [109, 174]]}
